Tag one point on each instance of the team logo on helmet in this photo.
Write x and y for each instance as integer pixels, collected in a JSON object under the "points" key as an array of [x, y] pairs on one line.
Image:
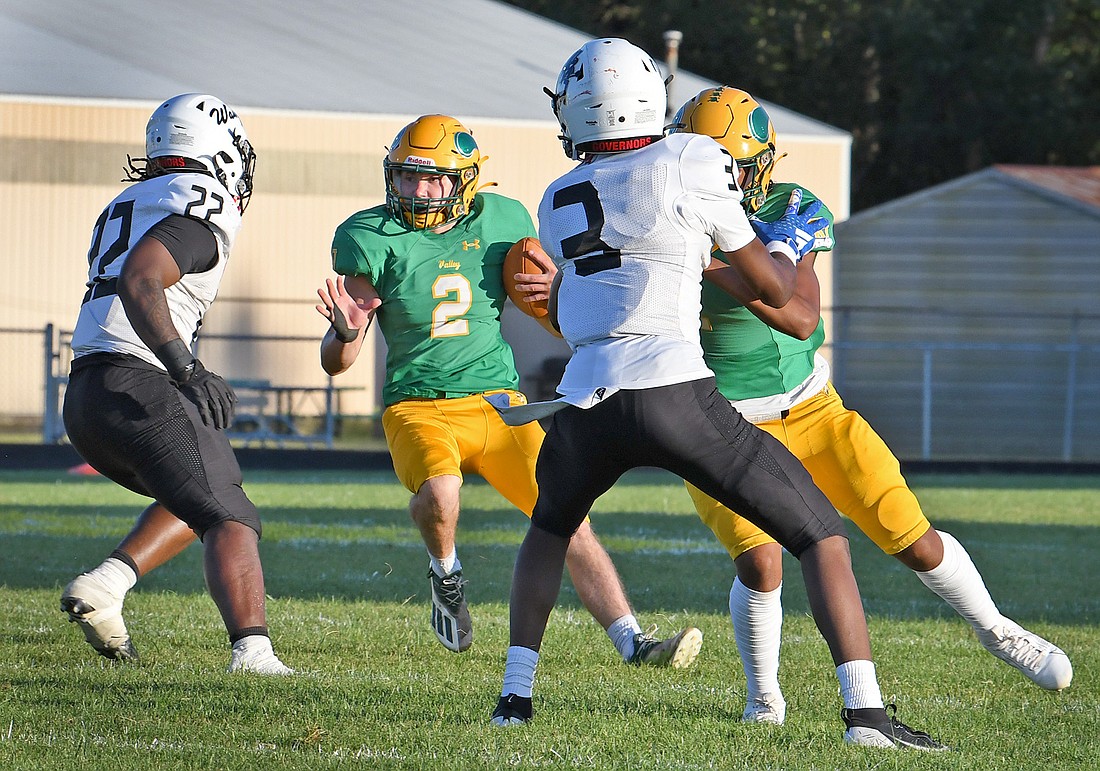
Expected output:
{"points": [[759, 125], [465, 144]]}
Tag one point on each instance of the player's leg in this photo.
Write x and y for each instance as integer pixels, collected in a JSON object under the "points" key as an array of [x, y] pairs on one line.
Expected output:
{"points": [[205, 481], [423, 436], [756, 609], [701, 438], [578, 462], [859, 473], [94, 599], [508, 464], [164, 450]]}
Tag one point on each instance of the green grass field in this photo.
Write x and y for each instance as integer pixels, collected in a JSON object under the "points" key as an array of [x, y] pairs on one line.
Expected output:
{"points": [[348, 609]]}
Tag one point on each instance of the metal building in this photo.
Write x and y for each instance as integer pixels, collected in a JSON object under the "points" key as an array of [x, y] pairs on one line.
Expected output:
{"points": [[967, 316], [322, 89]]}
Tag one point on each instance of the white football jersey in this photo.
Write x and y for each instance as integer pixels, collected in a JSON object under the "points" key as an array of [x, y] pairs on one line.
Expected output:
{"points": [[102, 325], [631, 233]]}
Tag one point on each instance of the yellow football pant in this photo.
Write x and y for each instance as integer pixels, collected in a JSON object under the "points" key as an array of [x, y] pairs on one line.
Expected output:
{"points": [[435, 437], [852, 466]]}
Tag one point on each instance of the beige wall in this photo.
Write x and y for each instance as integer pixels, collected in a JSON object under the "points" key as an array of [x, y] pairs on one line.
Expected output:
{"points": [[61, 161]]}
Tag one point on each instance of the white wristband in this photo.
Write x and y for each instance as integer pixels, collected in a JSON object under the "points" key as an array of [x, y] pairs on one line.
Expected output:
{"points": [[785, 249]]}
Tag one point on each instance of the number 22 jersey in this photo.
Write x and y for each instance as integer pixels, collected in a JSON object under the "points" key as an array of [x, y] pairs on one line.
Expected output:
{"points": [[102, 325]]}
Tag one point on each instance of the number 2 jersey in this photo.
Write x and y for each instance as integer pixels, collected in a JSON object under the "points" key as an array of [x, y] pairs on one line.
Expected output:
{"points": [[442, 296], [102, 325], [631, 233]]}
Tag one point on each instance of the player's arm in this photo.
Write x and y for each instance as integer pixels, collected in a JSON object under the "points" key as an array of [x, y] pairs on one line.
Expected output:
{"points": [[765, 276], [712, 201], [175, 246], [798, 318], [149, 270], [349, 304]]}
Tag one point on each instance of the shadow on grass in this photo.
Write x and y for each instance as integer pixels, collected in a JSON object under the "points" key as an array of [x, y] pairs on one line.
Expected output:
{"points": [[668, 562]]}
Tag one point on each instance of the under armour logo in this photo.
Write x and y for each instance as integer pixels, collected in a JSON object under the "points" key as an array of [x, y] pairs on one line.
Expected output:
{"points": [[468, 245]]}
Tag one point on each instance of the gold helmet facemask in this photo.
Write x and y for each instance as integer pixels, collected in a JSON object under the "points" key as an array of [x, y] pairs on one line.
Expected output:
{"points": [[433, 144]]}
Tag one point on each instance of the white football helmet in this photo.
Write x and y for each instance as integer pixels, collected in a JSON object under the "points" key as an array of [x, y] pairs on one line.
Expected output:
{"points": [[610, 97], [200, 132]]}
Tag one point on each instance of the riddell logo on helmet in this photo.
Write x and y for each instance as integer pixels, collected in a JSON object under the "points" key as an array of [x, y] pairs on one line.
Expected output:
{"points": [[416, 160]]}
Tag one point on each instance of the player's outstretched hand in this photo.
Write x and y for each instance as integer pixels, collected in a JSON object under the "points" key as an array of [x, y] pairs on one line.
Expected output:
{"points": [[211, 394], [795, 230], [347, 315]]}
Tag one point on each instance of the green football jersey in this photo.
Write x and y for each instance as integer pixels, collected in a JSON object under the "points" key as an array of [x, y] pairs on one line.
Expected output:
{"points": [[749, 358], [442, 296]]}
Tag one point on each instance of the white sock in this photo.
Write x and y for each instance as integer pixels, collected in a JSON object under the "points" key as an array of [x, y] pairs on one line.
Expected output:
{"points": [[757, 626], [621, 632], [960, 585], [519, 671], [116, 575], [447, 565], [859, 685], [254, 645]]}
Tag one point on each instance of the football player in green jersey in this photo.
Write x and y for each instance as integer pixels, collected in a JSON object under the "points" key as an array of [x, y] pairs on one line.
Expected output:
{"points": [[767, 364], [428, 264]]}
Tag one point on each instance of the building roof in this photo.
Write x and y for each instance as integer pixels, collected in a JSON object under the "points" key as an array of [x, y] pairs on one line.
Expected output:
{"points": [[1075, 186], [1082, 183], [385, 57]]}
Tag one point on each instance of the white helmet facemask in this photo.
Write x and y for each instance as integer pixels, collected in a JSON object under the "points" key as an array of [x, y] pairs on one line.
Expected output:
{"points": [[610, 97]]}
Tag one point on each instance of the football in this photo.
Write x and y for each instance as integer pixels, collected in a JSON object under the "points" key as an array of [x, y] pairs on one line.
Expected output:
{"points": [[517, 261]]}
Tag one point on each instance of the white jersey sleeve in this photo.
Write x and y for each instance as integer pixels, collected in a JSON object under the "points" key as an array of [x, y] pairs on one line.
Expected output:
{"points": [[102, 325], [712, 199], [631, 234]]}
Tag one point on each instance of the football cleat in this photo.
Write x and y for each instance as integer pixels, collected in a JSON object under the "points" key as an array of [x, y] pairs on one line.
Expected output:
{"points": [[450, 617], [766, 708], [512, 710], [875, 727], [1042, 662], [98, 612], [678, 651]]}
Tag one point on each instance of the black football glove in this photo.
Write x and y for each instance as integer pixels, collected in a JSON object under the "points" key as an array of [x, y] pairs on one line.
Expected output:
{"points": [[209, 392]]}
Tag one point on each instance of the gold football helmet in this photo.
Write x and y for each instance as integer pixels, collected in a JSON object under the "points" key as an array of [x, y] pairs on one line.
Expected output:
{"points": [[433, 144], [740, 125]]}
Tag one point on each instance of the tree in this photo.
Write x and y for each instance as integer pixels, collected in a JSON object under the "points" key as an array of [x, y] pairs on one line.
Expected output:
{"points": [[929, 89]]}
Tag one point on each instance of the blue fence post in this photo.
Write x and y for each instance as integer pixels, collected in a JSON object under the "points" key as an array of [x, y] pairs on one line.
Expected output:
{"points": [[52, 390], [1071, 389]]}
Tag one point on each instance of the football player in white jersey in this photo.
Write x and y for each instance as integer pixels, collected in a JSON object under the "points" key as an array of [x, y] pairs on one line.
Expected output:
{"points": [[139, 407], [631, 230]]}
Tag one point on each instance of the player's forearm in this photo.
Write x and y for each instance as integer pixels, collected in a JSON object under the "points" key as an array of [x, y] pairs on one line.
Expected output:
{"points": [[338, 356]]}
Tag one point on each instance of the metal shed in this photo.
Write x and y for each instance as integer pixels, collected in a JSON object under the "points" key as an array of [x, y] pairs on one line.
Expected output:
{"points": [[967, 324]]}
